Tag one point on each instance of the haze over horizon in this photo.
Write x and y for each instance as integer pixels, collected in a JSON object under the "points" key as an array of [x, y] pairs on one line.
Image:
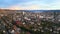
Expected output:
{"points": [[30, 4]]}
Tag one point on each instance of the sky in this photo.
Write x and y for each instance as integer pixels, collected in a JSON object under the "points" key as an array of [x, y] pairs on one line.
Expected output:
{"points": [[30, 4]]}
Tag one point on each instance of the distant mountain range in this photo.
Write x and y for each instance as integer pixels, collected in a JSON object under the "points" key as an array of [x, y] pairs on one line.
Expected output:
{"points": [[35, 11], [40, 10]]}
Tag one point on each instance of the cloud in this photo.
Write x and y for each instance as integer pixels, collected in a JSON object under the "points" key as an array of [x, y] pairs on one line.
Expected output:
{"points": [[36, 5]]}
